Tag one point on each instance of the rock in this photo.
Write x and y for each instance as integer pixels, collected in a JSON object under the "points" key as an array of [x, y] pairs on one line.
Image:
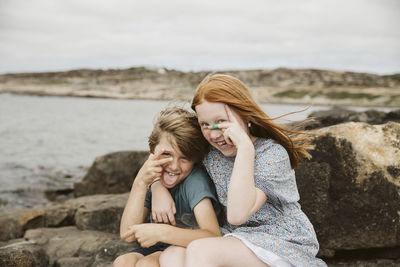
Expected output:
{"points": [[110, 250], [111, 174], [74, 261], [350, 189], [15, 222], [57, 215], [98, 212], [101, 212], [64, 243], [23, 253], [338, 115], [393, 115], [362, 263]]}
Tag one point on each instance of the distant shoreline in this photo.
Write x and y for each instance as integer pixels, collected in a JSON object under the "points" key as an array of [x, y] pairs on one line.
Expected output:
{"points": [[280, 86], [275, 102]]}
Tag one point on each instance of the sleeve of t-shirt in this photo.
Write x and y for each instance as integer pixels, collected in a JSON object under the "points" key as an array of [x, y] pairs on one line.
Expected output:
{"points": [[272, 173], [199, 186], [147, 200]]}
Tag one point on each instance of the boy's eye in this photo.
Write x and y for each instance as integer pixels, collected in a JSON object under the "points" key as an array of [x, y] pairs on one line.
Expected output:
{"points": [[220, 121], [166, 154], [204, 125], [185, 159]]}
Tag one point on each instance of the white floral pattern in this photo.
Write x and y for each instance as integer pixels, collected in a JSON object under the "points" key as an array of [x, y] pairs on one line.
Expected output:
{"points": [[279, 225]]}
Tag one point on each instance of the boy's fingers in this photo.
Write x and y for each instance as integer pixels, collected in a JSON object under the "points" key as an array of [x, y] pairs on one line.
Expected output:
{"points": [[158, 153], [162, 161], [128, 233]]}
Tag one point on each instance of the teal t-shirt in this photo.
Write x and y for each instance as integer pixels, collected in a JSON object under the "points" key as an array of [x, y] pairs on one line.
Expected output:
{"points": [[188, 194]]}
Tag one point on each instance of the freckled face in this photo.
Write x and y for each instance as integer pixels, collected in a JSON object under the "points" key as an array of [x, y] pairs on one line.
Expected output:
{"points": [[179, 168], [208, 114]]}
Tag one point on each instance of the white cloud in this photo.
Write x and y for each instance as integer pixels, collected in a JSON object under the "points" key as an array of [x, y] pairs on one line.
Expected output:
{"points": [[359, 35]]}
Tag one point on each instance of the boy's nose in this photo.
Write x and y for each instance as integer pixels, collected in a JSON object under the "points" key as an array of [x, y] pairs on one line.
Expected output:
{"points": [[173, 165]]}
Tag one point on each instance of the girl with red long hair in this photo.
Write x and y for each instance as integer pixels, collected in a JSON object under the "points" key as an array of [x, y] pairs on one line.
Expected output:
{"points": [[251, 162]]}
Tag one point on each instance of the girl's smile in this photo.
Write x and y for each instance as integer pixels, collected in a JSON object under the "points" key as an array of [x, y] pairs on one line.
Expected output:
{"points": [[209, 114]]}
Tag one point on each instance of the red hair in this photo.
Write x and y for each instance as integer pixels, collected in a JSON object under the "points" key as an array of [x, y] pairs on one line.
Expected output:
{"points": [[230, 90]]}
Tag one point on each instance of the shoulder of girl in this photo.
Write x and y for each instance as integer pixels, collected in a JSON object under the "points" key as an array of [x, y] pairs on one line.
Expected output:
{"points": [[268, 145]]}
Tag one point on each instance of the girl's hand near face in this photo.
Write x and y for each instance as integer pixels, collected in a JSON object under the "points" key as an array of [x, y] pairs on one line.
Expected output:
{"points": [[233, 131], [152, 168]]}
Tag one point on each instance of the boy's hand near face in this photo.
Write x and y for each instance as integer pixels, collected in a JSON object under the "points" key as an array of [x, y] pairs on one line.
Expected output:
{"points": [[152, 168]]}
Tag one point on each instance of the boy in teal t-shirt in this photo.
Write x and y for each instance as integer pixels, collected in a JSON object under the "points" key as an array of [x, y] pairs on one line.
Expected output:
{"points": [[188, 194], [176, 145]]}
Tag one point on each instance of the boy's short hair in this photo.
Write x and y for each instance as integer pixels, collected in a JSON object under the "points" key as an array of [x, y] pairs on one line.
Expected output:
{"points": [[181, 124]]}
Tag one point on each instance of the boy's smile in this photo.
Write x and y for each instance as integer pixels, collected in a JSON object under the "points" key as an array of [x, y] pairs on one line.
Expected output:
{"points": [[179, 167]]}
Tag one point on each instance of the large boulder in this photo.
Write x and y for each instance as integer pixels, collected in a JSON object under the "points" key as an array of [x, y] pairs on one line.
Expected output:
{"points": [[97, 212], [101, 212], [15, 222], [337, 115], [22, 253], [351, 188], [111, 174], [69, 245]]}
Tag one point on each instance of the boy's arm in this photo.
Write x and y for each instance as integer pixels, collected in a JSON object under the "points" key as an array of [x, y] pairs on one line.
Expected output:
{"points": [[135, 212], [149, 234]]}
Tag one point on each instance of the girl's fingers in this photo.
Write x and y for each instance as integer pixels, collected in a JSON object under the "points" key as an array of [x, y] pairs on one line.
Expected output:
{"points": [[154, 215], [165, 218], [171, 218], [159, 218], [174, 208], [220, 126], [227, 138], [230, 115]]}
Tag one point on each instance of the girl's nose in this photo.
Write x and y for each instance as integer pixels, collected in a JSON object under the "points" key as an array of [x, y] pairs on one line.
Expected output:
{"points": [[214, 134]]}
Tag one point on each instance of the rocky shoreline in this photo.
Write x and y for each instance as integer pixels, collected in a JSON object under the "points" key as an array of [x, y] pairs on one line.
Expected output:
{"points": [[285, 86], [350, 190]]}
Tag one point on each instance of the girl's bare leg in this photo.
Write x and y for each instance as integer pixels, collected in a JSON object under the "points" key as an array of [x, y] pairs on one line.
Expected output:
{"points": [[221, 251], [151, 260], [173, 256], [129, 259]]}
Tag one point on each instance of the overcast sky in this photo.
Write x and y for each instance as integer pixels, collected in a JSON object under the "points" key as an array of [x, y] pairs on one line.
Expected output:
{"points": [[54, 35]]}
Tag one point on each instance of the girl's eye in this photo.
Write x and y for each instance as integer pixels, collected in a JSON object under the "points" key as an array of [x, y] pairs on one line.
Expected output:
{"points": [[166, 154], [220, 121], [185, 159]]}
